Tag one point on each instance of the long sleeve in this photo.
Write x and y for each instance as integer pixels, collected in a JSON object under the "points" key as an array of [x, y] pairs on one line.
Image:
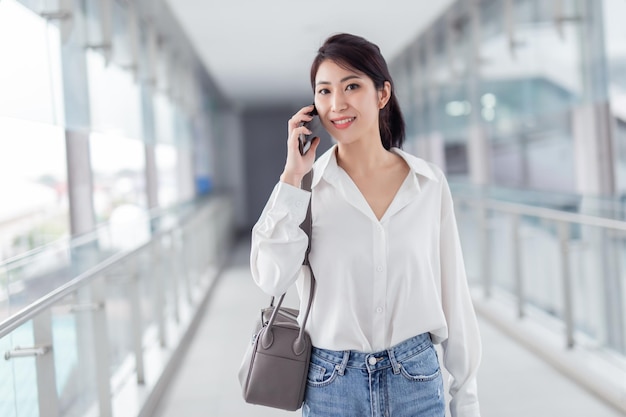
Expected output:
{"points": [[278, 243], [462, 349]]}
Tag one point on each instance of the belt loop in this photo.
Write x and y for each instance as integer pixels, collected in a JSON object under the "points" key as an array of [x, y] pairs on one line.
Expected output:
{"points": [[394, 363], [344, 362]]}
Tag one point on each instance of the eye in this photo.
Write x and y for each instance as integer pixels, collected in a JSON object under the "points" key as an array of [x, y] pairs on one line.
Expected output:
{"points": [[323, 91], [352, 86]]}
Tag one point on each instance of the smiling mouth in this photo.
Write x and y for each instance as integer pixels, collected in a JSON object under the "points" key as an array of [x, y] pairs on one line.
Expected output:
{"points": [[343, 121]]}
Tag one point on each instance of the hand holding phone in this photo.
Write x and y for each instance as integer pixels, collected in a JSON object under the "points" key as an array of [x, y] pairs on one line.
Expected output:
{"points": [[304, 141], [299, 162]]}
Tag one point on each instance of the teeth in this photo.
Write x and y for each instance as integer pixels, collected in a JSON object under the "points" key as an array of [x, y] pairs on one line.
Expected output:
{"points": [[344, 121]]}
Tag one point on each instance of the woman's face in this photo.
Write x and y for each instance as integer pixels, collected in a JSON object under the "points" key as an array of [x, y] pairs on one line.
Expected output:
{"points": [[348, 103]]}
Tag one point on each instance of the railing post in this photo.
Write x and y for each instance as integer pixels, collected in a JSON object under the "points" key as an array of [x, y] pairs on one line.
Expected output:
{"points": [[207, 259], [180, 260], [212, 234], [194, 252], [172, 274], [485, 249], [46, 373], [135, 328], [517, 266], [568, 314], [101, 348], [158, 289]]}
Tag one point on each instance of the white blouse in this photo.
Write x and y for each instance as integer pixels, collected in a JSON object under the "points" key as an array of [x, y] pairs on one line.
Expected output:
{"points": [[378, 282]]}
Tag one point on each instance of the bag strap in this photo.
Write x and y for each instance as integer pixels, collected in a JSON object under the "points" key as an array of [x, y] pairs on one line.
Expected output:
{"points": [[307, 225]]}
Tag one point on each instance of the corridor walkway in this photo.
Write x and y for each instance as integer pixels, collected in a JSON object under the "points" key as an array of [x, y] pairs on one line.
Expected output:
{"points": [[512, 381]]}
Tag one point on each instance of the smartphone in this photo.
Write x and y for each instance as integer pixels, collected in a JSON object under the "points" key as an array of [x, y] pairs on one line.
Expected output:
{"points": [[313, 126]]}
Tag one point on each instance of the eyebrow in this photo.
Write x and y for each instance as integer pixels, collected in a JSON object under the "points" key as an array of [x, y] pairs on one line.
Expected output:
{"points": [[349, 77]]}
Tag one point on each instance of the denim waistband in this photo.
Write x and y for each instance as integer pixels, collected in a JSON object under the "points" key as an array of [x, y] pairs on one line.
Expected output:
{"points": [[377, 360]]}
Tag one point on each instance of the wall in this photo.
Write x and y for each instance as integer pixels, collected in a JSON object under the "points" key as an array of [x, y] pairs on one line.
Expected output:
{"points": [[264, 139], [229, 164]]}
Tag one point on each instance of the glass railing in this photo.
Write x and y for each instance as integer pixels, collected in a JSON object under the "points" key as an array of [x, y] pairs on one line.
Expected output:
{"points": [[550, 255], [613, 207], [29, 276], [87, 324], [551, 276]]}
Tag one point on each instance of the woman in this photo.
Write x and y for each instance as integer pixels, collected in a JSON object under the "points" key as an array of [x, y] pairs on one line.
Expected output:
{"points": [[385, 251]]}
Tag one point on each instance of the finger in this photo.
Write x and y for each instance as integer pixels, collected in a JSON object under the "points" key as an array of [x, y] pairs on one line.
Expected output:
{"points": [[293, 122], [294, 138], [307, 109], [304, 113], [315, 143], [298, 119], [300, 130]]}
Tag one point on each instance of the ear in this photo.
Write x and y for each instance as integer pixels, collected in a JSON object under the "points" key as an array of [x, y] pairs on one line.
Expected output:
{"points": [[384, 94]]}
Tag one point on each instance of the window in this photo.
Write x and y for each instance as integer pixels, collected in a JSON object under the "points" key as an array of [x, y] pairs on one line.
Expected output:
{"points": [[33, 178]]}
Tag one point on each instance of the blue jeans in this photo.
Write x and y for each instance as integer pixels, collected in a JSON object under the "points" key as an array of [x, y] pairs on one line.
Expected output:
{"points": [[402, 381]]}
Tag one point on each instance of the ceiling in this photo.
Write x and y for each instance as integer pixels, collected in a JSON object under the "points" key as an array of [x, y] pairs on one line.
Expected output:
{"points": [[259, 52]]}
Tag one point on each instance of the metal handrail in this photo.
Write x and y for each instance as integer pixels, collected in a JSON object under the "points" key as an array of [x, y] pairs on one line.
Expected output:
{"points": [[547, 213], [30, 311]]}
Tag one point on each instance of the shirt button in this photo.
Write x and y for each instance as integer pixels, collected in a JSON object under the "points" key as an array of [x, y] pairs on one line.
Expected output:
{"points": [[379, 268], [379, 310], [372, 360], [298, 203]]}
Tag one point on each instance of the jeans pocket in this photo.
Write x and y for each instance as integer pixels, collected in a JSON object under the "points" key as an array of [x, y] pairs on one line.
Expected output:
{"points": [[321, 372], [423, 366]]}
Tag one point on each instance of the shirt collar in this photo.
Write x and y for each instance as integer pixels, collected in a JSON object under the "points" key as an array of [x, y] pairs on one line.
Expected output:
{"points": [[417, 165], [326, 165]]}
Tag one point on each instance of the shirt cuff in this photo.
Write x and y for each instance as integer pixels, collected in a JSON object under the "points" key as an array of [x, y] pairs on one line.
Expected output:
{"points": [[292, 199], [467, 410]]}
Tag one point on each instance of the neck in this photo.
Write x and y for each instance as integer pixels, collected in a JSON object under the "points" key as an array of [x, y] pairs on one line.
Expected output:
{"points": [[361, 158]]}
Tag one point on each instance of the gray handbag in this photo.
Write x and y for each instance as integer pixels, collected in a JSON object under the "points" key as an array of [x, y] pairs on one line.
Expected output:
{"points": [[274, 369]]}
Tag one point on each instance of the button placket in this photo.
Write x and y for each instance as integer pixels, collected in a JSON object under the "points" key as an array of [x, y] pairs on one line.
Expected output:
{"points": [[379, 324]]}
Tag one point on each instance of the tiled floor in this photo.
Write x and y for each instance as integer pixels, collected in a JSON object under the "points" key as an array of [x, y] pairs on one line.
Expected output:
{"points": [[512, 381]]}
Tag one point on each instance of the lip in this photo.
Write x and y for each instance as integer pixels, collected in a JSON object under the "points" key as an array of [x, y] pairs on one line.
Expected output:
{"points": [[343, 122]]}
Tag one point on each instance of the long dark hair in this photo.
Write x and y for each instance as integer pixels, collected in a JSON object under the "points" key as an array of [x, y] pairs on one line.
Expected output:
{"points": [[357, 53]]}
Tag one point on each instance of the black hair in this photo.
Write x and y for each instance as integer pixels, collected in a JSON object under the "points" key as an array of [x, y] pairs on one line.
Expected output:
{"points": [[357, 53]]}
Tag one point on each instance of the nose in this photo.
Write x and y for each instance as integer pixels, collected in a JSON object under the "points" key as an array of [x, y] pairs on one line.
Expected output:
{"points": [[338, 101]]}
